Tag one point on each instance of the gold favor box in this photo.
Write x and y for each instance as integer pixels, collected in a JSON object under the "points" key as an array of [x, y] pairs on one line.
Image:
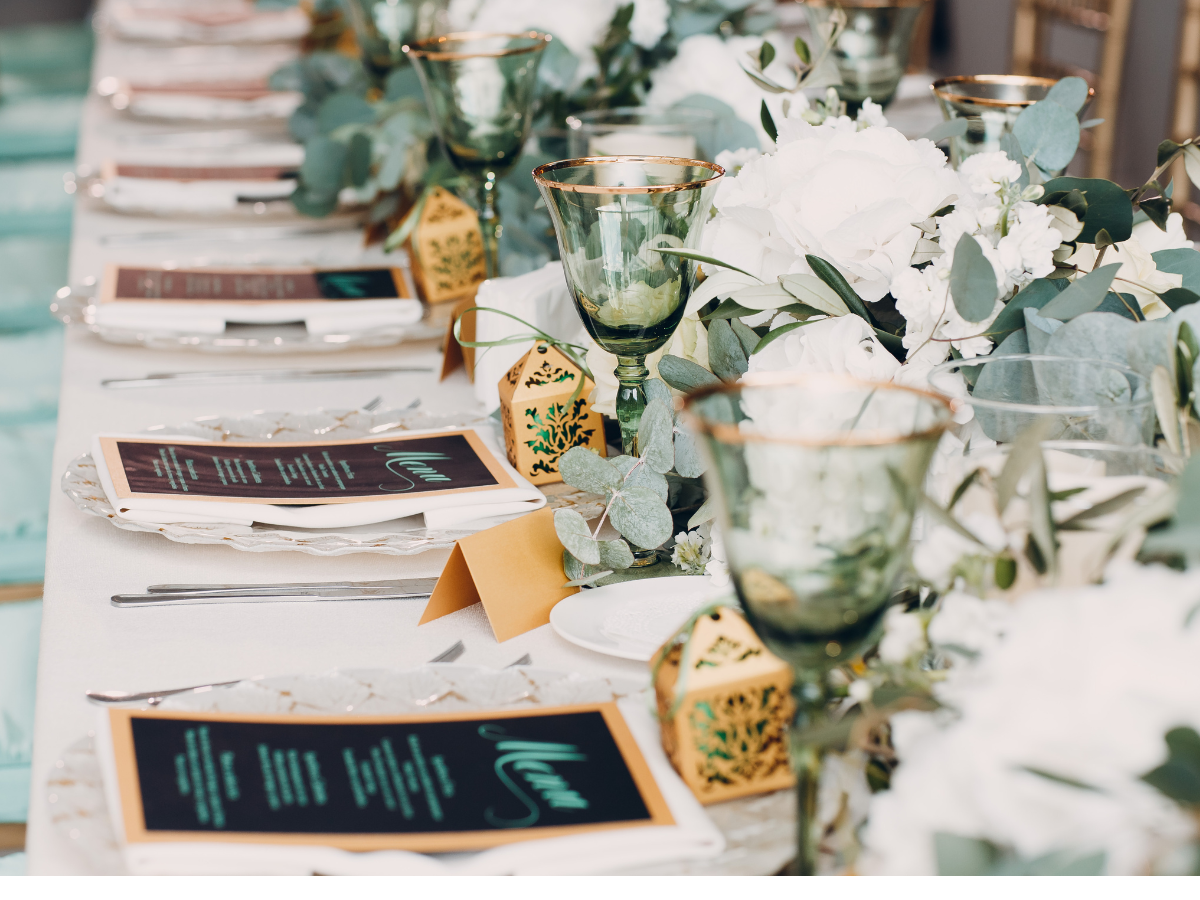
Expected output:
{"points": [[728, 738], [446, 249], [541, 420]]}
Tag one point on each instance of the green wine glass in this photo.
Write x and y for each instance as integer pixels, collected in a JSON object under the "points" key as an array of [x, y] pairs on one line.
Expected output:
{"points": [[383, 27], [816, 480], [480, 91]]}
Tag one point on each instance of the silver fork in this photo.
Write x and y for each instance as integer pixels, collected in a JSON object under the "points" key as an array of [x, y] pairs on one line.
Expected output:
{"points": [[153, 698], [371, 405]]}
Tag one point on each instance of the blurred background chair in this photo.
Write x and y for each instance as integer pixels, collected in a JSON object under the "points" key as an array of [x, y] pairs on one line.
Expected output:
{"points": [[1033, 53], [44, 75], [1187, 105]]}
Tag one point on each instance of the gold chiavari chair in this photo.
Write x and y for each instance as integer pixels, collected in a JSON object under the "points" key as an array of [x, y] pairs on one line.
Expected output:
{"points": [[1030, 56], [1187, 101]]}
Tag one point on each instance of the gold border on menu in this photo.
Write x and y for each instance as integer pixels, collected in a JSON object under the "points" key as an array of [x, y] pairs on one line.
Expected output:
{"points": [[116, 471], [108, 285], [133, 815]]}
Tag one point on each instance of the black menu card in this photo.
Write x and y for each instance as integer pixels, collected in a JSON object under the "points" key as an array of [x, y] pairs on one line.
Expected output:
{"points": [[318, 472], [431, 783], [261, 284]]}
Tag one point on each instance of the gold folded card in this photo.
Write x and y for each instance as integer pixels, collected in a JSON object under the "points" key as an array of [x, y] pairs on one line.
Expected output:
{"points": [[515, 570], [428, 783], [310, 472], [253, 284]]}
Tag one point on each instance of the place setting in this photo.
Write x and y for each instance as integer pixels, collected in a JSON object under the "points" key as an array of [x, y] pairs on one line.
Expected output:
{"points": [[760, 488]]}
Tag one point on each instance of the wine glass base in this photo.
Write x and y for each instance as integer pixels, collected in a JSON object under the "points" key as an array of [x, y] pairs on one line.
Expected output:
{"points": [[642, 558]]}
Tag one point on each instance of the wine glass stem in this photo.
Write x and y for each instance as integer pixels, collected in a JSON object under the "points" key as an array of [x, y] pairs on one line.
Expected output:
{"points": [[489, 224], [806, 764], [631, 375]]}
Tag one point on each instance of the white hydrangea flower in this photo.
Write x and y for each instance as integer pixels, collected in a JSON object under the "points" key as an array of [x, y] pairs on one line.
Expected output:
{"points": [[985, 173], [733, 160], [690, 553], [649, 22], [903, 636], [1027, 251], [935, 555], [1082, 683]]}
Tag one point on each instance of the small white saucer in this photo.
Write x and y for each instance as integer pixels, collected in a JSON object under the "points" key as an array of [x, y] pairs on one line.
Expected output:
{"points": [[582, 618]]}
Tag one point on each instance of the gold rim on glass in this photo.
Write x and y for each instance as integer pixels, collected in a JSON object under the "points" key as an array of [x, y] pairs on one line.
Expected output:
{"points": [[540, 172], [939, 88], [864, 4], [427, 49], [731, 434]]}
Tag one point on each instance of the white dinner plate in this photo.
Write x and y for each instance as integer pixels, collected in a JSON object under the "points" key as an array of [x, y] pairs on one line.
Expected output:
{"points": [[631, 619]]}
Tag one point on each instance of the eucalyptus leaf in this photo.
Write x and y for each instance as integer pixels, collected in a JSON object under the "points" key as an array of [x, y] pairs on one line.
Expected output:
{"points": [[748, 339], [615, 555], [583, 469], [1157, 209], [1095, 335], [1177, 298], [729, 309], [575, 535], [359, 159], [1166, 406], [1070, 93], [812, 291], [706, 513], [766, 53], [972, 281], [725, 354], [1024, 455], [948, 129], [641, 516], [1179, 776], [1082, 295], [959, 855], [832, 277], [1108, 206], [1038, 330], [344, 108], [1183, 262], [642, 475], [776, 333], [683, 375], [656, 389], [1035, 295], [757, 297], [688, 461], [324, 163], [1191, 163], [1049, 134], [656, 437], [728, 131]]}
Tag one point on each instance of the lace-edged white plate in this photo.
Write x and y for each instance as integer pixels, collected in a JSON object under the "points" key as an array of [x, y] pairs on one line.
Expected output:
{"points": [[402, 537], [759, 831], [75, 306]]}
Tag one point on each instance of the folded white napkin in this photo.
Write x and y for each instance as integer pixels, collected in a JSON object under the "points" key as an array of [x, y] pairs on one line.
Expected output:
{"points": [[542, 299], [318, 316], [170, 105], [443, 511], [162, 195], [693, 836], [222, 23]]}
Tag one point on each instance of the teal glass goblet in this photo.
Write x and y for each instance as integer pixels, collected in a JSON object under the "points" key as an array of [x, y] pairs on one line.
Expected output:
{"points": [[383, 27], [480, 92], [816, 479], [612, 215]]}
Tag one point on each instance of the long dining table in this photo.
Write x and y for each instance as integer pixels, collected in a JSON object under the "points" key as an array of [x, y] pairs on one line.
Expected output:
{"points": [[86, 642]]}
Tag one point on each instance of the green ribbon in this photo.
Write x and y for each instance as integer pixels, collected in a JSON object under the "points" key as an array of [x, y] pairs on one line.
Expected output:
{"points": [[573, 352]]}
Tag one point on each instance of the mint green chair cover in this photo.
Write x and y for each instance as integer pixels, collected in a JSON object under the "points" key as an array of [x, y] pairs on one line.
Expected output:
{"points": [[32, 197], [12, 864], [39, 126], [45, 59], [20, 624], [34, 267], [30, 368]]}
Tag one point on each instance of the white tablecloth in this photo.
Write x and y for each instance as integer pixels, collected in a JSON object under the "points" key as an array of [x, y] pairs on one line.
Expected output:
{"points": [[87, 643]]}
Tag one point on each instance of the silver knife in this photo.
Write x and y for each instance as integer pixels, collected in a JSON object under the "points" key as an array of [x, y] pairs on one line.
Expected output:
{"points": [[137, 601], [160, 379], [396, 585]]}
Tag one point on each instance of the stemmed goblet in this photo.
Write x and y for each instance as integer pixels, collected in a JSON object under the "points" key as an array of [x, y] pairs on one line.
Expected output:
{"points": [[480, 90], [816, 479], [612, 216]]}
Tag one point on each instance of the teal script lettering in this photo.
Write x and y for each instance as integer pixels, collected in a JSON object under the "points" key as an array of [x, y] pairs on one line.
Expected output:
{"points": [[415, 462], [529, 762]]}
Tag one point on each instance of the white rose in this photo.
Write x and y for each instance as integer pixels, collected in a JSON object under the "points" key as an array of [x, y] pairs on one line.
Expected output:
{"points": [[1152, 238], [649, 22], [903, 636], [843, 345], [1138, 274]]}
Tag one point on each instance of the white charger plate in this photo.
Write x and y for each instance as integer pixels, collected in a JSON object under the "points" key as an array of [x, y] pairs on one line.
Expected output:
{"points": [[759, 831], [400, 537], [582, 617]]}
